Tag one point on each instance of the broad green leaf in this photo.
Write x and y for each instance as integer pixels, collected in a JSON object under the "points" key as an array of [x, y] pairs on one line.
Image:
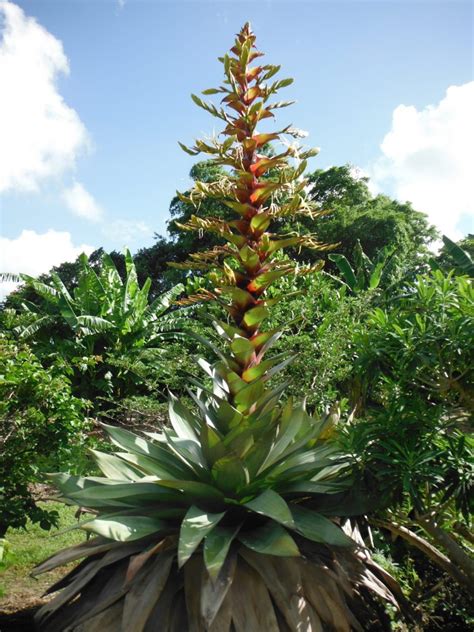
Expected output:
{"points": [[95, 324], [195, 527], [114, 467], [272, 505], [211, 91], [228, 416], [247, 396], [148, 465], [298, 454], [138, 445], [288, 429], [165, 300], [59, 285], [267, 278], [188, 150], [461, 257], [240, 298], [307, 462], [230, 474], [312, 487], [270, 539], [261, 339], [130, 287], [110, 277], [212, 446], [33, 328], [68, 484], [125, 528], [235, 382], [315, 527], [139, 311], [258, 370], [376, 275], [216, 547], [260, 222], [47, 292], [278, 367], [243, 349], [259, 451], [345, 269], [89, 293], [331, 472], [189, 451], [195, 489], [182, 420], [67, 312], [132, 494], [255, 315], [269, 399]]}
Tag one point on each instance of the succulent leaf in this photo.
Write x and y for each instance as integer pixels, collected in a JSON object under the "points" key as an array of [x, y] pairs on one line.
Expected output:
{"points": [[270, 539], [194, 528]]}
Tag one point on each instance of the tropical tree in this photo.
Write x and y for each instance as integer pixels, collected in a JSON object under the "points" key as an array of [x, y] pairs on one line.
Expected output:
{"points": [[353, 214], [100, 327], [226, 519]]}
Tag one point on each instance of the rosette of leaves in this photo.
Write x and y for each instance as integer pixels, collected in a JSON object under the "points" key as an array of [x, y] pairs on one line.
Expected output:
{"points": [[226, 520]]}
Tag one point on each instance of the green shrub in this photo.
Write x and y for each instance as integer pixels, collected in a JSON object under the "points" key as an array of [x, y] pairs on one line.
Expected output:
{"points": [[42, 428]]}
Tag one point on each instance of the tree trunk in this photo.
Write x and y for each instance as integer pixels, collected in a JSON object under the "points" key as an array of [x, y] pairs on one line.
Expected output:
{"points": [[429, 550], [456, 553]]}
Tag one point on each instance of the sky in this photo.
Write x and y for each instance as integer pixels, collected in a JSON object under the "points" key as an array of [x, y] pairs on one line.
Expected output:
{"points": [[95, 94]]}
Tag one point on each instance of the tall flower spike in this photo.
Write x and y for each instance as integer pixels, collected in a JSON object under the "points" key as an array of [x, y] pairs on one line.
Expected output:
{"points": [[258, 189]]}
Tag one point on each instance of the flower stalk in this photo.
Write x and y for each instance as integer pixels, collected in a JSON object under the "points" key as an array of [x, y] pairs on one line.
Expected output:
{"points": [[259, 189]]}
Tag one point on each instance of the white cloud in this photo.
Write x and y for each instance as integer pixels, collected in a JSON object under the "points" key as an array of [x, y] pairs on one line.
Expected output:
{"points": [[81, 203], [40, 134], [126, 231], [427, 158], [36, 253]]}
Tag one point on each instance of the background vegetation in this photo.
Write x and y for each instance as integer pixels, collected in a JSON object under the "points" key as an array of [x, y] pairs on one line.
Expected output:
{"points": [[382, 339]]}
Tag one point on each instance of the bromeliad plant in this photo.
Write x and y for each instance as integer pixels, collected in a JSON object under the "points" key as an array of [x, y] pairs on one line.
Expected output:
{"points": [[224, 521]]}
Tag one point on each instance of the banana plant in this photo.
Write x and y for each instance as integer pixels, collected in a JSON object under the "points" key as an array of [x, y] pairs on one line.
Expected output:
{"points": [[462, 259], [100, 327], [101, 306], [230, 519], [368, 273]]}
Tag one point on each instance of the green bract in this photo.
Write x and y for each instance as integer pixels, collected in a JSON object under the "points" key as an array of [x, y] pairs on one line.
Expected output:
{"points": [[221, 521]]}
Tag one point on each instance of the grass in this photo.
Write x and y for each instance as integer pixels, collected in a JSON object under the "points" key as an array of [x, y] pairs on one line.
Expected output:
{"points": [[26, 548]]}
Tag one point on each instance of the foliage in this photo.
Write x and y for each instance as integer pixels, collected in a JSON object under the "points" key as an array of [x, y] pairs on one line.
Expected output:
{"points": [[439, 603], [42, 428], [368, 273], [377, 222], [99, 328], [421, 345], [239, 491], [415, 360], [422, 464], [319, 322], [457, 256]]}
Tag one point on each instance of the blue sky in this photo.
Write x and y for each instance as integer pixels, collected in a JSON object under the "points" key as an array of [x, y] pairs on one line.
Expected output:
{"points": [[133, 64]]}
